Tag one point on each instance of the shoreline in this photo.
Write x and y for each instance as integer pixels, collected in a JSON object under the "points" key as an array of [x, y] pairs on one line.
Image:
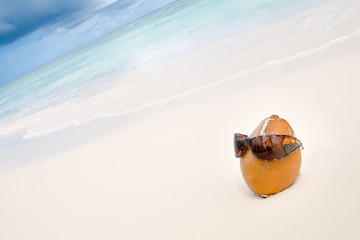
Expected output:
{"points": [[240, 75]]}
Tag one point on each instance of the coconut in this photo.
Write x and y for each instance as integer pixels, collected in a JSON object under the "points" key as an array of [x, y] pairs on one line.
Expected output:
{"points": [[266, 178]]}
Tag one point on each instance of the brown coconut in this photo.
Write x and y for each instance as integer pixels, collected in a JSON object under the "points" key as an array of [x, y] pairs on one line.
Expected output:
{"points": [[265, 178]]}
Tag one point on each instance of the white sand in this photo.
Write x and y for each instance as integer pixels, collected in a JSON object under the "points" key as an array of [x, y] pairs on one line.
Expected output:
{"points": [[169, 172]]}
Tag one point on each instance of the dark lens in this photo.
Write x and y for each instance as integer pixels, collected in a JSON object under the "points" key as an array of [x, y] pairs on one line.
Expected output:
{"points": [[239, 145], [273, 147]]}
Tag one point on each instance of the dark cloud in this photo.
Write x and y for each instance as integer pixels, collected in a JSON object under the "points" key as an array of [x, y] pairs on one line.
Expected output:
{"points": [[20, 17]]}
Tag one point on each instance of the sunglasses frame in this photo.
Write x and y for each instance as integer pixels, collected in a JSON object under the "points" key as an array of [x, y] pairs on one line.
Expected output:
{"points": [[245, 139]]}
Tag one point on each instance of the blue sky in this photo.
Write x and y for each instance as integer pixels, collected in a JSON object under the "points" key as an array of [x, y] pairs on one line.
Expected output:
{"points": [[34, 32]]}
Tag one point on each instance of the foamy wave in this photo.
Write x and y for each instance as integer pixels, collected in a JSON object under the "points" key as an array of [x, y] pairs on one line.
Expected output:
{"points": [[32, 133]]}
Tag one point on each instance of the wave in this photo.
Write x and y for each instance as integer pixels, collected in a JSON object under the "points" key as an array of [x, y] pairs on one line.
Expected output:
{"points": [[32, 133]]}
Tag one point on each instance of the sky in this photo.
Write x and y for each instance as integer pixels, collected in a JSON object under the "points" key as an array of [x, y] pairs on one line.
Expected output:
{"points": [[35, 32]]}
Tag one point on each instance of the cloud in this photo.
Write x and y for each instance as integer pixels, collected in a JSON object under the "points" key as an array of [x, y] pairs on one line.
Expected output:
{"points": [[6, 28], [61, 30], [20, 17], [54, 38]]}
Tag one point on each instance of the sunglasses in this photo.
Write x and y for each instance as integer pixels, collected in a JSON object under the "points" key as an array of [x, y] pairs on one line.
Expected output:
{"points": [[266, 147]]}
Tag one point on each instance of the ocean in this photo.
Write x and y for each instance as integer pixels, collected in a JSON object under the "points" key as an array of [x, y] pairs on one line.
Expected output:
{"points": [[172, 52]]}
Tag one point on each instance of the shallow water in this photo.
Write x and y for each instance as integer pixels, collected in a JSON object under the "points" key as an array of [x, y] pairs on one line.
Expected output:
{"points": [[184, 46]]}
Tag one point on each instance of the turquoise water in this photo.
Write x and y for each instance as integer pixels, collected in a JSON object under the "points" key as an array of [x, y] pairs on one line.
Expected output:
{"points": [[184, 46]]}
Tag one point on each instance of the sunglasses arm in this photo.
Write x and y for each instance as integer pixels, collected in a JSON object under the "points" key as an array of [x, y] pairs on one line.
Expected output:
{"points": [[301, 145]]}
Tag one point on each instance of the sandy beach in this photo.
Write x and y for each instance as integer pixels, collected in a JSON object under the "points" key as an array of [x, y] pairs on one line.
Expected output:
{"points": [[169, 171]]}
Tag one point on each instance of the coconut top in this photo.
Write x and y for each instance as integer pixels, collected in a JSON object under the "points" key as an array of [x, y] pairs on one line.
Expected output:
{"points": [[273, 125]]}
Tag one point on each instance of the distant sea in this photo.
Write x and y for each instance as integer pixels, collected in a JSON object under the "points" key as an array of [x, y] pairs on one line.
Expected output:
{"points": [[175, 50]]}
